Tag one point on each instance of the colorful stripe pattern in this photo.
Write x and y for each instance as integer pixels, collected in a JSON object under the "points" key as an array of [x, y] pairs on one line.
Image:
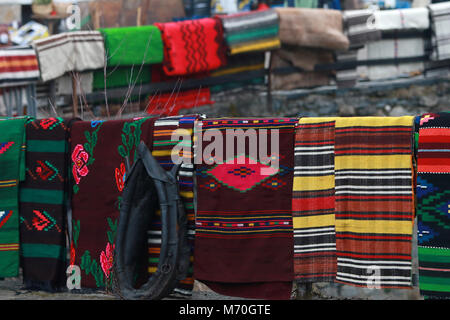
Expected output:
{"points": [[245, 248], [251, 31], [42, 206], [374, 201], [12, 170], [18, 66], [433, 205], [162, 151], [313, 202]]}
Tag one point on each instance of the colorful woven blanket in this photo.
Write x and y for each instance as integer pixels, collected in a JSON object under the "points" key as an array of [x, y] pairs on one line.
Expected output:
{"points": [[99, 151], [192, 46], [121, 77], [12, 170], [433, 200], [129, 46], [245, 248], [43, 196], [18, 66], [162, 151], [317, 28], [374, 201], [313, 201], [251, 31], [72, 51], [440, 26]]}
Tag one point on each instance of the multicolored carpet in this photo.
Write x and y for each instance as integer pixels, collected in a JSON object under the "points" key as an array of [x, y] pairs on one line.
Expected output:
{"points": [[99, 151], [313, 201], [12, 171], [162, 151], [43, 197], [243, 238], [374, 201], [433, 205]]}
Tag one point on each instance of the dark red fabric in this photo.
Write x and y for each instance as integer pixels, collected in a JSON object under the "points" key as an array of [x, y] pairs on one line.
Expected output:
{"points": [[98, 152], [244, 238], [192, 46], [170, 103]]}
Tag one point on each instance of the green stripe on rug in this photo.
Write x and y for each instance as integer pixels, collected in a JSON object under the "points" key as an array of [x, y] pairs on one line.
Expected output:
{"points": [[253, 34], [32, 250], [46, 145], [41, 196]]}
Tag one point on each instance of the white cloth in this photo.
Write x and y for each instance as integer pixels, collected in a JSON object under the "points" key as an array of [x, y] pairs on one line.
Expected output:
{"points": [[402, 19], [72, 51]]}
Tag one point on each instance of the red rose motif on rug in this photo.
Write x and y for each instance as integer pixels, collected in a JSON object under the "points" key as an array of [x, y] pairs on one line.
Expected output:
{"points": [[79, 158], [120, 176], [106, 259]]}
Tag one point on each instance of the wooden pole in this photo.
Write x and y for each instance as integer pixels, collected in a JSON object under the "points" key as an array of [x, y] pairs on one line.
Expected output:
{"points": [[74, 97]]}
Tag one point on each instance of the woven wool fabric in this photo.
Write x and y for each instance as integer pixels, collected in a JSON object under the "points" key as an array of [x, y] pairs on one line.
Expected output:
{"points": [[245, 247], [162, 151], [98, 153], [374, 201], [402, 19], [120, 77], [12, 171], [129, 46], [251, 31], [440, 26], [42, 205], [313, 202], [433, 200], [192, 46], [356, 28], [239, 66], [70, 51], [396, 49], [317, 28], [18, 66], [170, 103], [294, 78]]}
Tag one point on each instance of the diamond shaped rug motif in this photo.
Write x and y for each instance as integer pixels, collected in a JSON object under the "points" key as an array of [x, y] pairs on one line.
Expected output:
{"points": [[241, 173]]}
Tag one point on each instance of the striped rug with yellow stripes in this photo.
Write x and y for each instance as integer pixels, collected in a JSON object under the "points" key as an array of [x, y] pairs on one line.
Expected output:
{"points": [[374, 201], [313, 201]]}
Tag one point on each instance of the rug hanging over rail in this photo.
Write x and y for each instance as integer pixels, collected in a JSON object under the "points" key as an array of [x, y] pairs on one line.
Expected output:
{"points": [[18, 66], [162, 151], [98, 153], [128, 46], [313, 202], [43, 197], [374, 201], [12, 171], [433, 205], [192, 46], [251, 31], [243, 237]]}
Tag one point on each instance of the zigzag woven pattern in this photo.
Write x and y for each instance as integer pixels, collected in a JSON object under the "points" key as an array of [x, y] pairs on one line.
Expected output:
{"points": [[192, 46], [374, 201], [313, 202], [433, 205]]}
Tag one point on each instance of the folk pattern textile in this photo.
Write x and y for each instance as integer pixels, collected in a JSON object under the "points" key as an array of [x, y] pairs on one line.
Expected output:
{"points": [[314, 201], [433, 205], [243, 237]]}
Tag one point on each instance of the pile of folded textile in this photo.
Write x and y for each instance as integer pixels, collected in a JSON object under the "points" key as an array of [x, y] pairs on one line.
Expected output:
{"points": [[309, 38]]}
